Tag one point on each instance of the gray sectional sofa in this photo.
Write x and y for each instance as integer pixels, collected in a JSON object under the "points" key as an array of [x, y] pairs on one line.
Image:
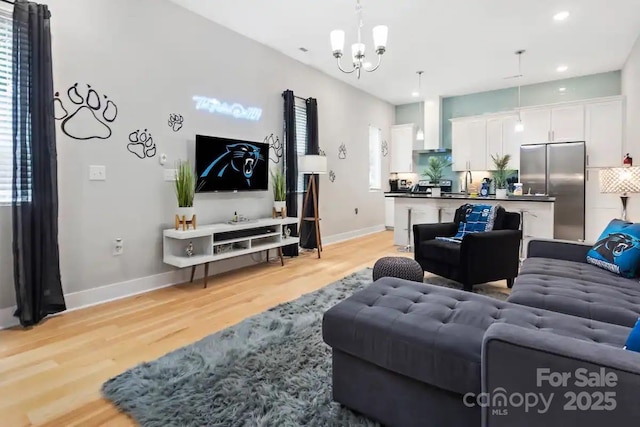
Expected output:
{"points": [[410, 354]]}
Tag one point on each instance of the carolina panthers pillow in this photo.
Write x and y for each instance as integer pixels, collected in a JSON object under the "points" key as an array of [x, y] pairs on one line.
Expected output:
{"points": [[617, 249]]}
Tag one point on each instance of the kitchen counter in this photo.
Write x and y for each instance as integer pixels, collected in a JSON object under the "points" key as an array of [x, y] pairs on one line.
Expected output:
{"points": [[476, 198]]}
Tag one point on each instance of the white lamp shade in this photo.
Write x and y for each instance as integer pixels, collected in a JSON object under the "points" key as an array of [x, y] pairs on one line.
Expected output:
{"points": [[620, 180], [313, 164], [380, 34], [519, 126], [357, 49], [337, 40]]}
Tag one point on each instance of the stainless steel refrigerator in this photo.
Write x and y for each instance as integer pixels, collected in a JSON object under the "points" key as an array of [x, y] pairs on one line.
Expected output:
{"points": [[559, 171]]}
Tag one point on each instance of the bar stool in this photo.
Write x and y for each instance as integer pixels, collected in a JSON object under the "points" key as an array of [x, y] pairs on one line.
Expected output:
{"points": [[408, 247]]}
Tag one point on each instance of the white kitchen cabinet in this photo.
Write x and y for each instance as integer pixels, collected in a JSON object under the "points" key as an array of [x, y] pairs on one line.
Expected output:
{"points": [[600, 208], [567, 123], [460, 146], [604, 133], [389, 212], [502, 139], [469, 144], [537, 125], [402, 140]]}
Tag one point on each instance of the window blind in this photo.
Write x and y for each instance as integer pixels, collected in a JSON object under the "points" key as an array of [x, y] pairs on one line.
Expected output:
{"points": [[301, 137], [6, 91]]}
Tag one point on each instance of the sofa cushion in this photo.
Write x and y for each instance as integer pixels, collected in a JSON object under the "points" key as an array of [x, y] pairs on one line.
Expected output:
{"points": [[578, 289], [441, 251], [617, 248], [434, 334], [579, 271]]}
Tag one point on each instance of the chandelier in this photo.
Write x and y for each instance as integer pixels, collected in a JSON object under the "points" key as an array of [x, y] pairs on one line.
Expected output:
{"points": [[380, 34]]}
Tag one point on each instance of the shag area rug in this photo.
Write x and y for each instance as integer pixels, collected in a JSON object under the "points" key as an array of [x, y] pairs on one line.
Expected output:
{"points": [[272, 369]]}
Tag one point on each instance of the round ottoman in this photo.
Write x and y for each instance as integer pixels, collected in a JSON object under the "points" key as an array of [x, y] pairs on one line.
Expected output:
{"points": [[400, 267]]}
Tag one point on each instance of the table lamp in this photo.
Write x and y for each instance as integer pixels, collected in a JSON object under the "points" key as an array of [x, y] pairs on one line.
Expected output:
{"points": [[623, 180], [312, 164]]}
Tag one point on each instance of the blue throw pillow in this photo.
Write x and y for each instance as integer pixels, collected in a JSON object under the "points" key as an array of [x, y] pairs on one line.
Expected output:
{"points": [[617, 249], [633, 341], [478, 219]]}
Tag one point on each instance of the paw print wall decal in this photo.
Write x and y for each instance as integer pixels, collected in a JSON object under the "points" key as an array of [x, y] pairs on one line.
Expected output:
{"points": [[332, 176], [141, 144], [342, 151], [84, 113], [385, 148], [175, 121], [275, 148]]}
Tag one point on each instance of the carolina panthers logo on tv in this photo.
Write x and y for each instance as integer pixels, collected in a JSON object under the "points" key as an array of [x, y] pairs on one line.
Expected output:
{"points": [[240, 158], [615, 245]]}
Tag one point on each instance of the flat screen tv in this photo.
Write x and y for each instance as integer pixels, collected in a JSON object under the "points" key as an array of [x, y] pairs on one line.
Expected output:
{"points": [[224, 164]]}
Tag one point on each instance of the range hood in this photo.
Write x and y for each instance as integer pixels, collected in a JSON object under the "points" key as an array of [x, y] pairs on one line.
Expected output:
{"points": [[432, 128]]}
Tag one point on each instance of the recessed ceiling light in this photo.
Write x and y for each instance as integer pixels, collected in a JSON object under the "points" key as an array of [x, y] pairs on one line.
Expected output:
{"points": [[561, 16], [562, 89], [415, 94], [562, 68]]}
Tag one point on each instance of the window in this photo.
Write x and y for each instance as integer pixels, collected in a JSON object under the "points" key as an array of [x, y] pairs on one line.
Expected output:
{"points": [[375, 158], [301, 137], [6, 90]]}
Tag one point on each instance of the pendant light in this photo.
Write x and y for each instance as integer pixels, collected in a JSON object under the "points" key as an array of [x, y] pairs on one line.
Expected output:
{"points": [[519, 126], [420, 132]]}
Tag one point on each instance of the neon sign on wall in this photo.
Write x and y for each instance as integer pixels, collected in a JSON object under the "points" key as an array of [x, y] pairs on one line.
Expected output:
{"points": [[235, 110]]}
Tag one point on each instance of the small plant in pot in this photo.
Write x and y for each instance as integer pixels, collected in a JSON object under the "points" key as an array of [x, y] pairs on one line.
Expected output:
{"points": [[435, 172], [185, 189], [501, 173], [279, 190]]}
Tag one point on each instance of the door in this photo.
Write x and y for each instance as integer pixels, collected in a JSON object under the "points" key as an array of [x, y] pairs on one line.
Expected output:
{"points": [[495, 143], [537, 125], [533, 169], [477, 145], [565, 177], [603, 133], [567, 123], [511, 141], [401, 148], [460, 146]]}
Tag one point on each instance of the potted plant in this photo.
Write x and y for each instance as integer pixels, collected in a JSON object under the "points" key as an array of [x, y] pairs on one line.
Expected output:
{"points": [[435, 171], [501, 173], [185, 189], [279, 190]]}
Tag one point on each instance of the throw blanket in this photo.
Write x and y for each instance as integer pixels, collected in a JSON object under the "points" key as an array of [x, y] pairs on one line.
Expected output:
{"points": [[478, 218]]}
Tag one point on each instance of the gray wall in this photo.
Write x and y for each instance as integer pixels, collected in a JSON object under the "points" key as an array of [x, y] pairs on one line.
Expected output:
{"points": [[151, 58]]}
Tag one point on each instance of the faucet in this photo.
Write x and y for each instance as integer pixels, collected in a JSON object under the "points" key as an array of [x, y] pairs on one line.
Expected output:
{"points": [[467, 174]]}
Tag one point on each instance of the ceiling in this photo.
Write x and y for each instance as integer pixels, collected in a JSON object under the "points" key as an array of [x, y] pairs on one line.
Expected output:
{"points": [[463, 46]]}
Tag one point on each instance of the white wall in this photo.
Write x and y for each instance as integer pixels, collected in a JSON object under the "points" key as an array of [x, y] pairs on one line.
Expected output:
{"points": [[631, 89], [151, 57]]}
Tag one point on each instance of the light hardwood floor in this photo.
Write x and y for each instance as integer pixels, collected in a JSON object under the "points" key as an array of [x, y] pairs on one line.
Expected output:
{"points": [[51, 375]]}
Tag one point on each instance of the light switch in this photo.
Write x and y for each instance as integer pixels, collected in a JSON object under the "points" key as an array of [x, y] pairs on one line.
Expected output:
{"points": [[97, 173], [170, 174]]}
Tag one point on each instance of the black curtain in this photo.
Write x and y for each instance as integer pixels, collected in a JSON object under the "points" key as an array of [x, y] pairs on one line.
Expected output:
{"points": [[308, 238], [290, 164], [35, 188]]}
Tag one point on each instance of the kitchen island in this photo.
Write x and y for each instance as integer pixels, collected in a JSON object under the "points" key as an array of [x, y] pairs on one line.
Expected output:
{"points": [[537, 212]]}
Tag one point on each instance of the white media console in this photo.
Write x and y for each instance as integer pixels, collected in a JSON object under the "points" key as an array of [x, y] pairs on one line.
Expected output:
{"points": [[216, 242]]}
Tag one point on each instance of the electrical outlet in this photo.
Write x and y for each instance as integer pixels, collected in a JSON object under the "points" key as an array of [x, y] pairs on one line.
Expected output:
{"points": [[97, 173], [169, 174], [118, 246]]}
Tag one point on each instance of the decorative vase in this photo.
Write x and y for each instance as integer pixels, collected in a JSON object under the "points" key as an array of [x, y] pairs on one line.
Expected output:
{"points": [[436, 192], [501, 193], [187, 212], [278, 206]]}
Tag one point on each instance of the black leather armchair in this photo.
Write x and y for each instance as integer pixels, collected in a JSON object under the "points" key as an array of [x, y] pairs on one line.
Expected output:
{"points": [[480, 258]]}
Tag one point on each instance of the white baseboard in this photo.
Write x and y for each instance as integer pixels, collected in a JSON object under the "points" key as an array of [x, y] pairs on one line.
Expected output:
{"points": [[115, 291], [336, 238]]}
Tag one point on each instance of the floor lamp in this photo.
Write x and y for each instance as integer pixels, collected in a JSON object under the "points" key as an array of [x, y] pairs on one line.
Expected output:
{"points": [[313, 165], [623, 180]]}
